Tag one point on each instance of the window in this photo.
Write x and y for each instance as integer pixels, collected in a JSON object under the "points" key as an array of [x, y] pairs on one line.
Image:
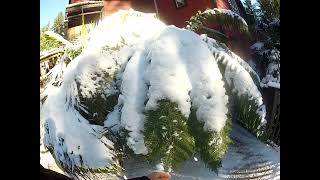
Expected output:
{"points": [[180, 3]]}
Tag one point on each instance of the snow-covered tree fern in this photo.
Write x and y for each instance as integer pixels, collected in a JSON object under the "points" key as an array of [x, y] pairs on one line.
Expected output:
{"points": [[145, 88]]}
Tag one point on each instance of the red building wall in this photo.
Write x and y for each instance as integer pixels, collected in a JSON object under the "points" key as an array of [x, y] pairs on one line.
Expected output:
{"points": [[169, 14], [112, 6]]}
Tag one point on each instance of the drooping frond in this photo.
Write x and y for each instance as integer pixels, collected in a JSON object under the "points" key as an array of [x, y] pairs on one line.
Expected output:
{"points": [[167, 137], [222, 17], [244, 82], [212, 146]]}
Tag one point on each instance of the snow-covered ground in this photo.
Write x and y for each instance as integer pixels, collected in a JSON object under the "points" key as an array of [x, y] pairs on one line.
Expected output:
{"points": [[246, 158]]}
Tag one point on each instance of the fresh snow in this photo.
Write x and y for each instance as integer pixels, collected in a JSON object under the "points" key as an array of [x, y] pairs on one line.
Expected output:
{"points": [[269, 80], [133, 95], [189, 75], [74, 142], [130, 27]]}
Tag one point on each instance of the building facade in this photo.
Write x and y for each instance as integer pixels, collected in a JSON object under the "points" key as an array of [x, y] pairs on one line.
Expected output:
{"points": [[175, 12]]}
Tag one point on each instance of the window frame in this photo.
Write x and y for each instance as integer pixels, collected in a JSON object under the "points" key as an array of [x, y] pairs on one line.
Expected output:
{"points": [[179, 7]]}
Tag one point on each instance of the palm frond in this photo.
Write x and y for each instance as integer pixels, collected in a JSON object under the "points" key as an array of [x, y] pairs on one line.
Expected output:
{"points": [[222, 17]]}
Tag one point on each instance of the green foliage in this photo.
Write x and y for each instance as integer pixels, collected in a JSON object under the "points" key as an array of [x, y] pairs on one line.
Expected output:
{"points": [[58, 24], [99, 105], [45, 28], [212, 146], [228, 21], [73, 53], [247, 114], [270, 9], [249, 7], [245, 107], [167, 137], [47, 42]]}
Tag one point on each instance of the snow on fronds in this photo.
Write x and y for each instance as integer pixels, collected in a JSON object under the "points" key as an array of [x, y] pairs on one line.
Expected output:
{"points": [[167, 74], [127, 27], [237, 74], [76, 143], [242, 84], [182, 69], [55, 75], [58, 38], [133, 95], [216, 48], [257, 46], [272, 78], [226, 11], [53, 78]]}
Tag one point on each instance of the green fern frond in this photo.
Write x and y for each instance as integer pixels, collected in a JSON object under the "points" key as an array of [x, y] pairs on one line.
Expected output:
{"points": [[220, 17], [167, 137], [95, 109], [247, 114], [212, 146]]}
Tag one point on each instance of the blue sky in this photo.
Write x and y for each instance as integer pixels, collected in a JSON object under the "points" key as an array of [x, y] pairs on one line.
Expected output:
{"points": [[49, 9]]}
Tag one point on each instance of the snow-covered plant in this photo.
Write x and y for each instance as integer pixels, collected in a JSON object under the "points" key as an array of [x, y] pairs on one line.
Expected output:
{"points": [[144, 88], [267, 52]]}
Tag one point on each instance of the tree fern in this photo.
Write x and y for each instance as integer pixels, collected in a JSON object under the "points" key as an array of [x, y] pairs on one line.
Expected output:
{"points": [[163, 96]]}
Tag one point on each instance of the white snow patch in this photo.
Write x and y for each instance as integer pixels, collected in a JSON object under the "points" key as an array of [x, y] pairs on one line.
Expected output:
{"points": [[129, 27], [159, 166], [133, 95], [257, 46], [195, 159], [182, 69]]}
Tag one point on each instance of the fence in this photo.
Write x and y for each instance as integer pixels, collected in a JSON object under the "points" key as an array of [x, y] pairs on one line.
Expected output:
{"points": [[272, 101]]}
